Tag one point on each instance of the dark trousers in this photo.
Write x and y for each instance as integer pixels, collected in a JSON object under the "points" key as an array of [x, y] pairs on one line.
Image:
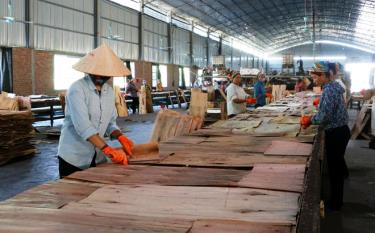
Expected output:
{"points": [[65, 168], [336, 141], [135, 104]]}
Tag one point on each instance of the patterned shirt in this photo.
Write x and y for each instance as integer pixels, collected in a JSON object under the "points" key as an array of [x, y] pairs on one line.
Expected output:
{"points": [[332, 112], [87, 112]]}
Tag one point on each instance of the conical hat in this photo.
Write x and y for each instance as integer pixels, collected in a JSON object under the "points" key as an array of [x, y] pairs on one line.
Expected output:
{"points": [[102, 61]]}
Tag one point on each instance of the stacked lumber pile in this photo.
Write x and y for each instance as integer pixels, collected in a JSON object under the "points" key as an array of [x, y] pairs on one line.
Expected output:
{"points": [[198, 103], [170, 123], [16, 132], [363, 119], [14, 104]]}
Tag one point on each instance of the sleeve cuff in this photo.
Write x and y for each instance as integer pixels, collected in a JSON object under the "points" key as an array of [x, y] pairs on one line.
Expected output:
{"points": [[111, 128], [88, 133]]}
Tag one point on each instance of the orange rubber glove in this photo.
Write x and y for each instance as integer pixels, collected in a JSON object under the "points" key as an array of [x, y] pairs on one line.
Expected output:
{"points": [[305, 121], [316, 102], [251, 100], [127, 144], [117, 156]]}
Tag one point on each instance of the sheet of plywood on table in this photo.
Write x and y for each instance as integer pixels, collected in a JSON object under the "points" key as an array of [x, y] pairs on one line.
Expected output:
{"points": [[286, 120], [217, 159], [31, 220], [144, 152], [225, 226], [184, 176], [289, 148], [52, 195], [272, 128], [207, 132], [207, 146], [231, 124], [284, 177], [193, 203]]}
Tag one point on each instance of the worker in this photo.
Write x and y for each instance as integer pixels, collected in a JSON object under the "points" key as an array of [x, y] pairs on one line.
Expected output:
{"points": [[260, 91], [339, 74], [159, 86], [333, 118], [300, 85], [90, 113], [132, 92], [236, 96]]}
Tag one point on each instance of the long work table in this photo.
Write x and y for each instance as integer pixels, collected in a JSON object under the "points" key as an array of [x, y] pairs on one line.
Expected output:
{"points": [[256, 172]]}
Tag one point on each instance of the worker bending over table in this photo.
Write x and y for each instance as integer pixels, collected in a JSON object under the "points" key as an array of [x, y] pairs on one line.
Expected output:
{"points": [[90, 113], [333, 118]]}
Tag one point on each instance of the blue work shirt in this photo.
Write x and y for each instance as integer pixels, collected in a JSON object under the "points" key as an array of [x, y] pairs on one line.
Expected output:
{"points": [[332, 112], [260, 93], [87, 112]]}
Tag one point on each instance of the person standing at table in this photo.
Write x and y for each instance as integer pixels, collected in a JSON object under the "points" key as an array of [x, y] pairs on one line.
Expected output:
{"points": [[333, 118], [90, 114]]}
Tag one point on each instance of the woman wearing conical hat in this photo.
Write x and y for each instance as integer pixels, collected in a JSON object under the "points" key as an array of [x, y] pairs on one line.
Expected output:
{"points": [[90, 113]]}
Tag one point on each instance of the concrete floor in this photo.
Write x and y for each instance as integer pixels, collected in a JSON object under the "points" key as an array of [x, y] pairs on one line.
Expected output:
{"points": [[357, 215]]}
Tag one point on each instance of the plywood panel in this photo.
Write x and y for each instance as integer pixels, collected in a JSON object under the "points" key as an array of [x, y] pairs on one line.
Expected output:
{"points": [[289, 148], [31, 220], [228, 160], [192, 203], [52, 195], [220, 226], [285, 177], [180, 176]]}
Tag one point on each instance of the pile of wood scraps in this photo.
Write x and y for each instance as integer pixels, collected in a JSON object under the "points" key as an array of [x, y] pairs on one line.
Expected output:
{"points": [[14, 103], [16, 133], [169, 124], [363, 119]]}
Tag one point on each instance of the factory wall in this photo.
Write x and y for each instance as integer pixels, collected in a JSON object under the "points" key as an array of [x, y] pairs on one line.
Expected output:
{"points": [[76, 27], [32, 72]]}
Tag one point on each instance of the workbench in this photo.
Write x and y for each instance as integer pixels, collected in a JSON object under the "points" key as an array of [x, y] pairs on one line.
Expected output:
{"points": [[218, 179], [47, 109]]}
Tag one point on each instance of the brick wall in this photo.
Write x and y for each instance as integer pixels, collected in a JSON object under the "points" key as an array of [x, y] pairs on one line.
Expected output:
{"points": [[23, 68], [43, 66], [22, 71]]}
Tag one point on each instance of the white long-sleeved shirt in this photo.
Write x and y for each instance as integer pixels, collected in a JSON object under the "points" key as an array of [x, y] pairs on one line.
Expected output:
{"points": [[235, 92], [86, 113]]}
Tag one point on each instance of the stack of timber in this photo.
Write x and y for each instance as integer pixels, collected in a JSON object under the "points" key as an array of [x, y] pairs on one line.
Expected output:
{"points": [[169, 124], [208, 180], [363, 119], [198, 103], [16, 132]]}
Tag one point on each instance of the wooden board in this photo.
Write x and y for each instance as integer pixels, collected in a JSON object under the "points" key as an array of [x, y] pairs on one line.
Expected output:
{"points": [[361, 121], [226, 226], [272, 128], [52, 195], [193, 203], [231, 124], [289, 148], [184, 176], [32, 220], [228, 160], [284, 177]]}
